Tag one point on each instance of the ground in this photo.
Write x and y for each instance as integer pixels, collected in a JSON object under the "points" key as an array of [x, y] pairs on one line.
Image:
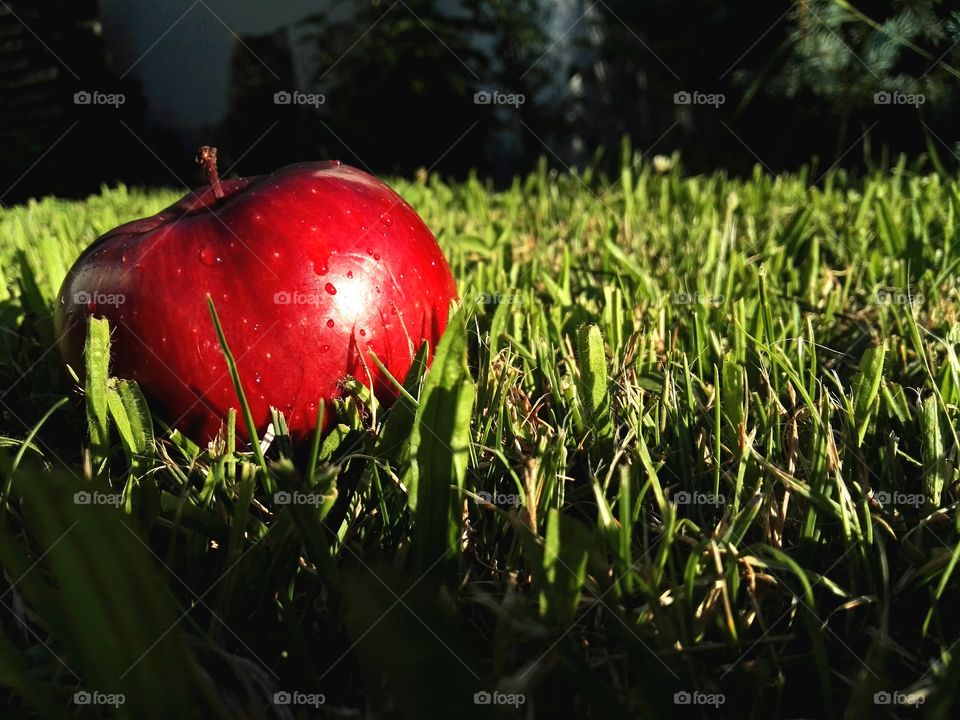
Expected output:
{"points": [[703, 438]]}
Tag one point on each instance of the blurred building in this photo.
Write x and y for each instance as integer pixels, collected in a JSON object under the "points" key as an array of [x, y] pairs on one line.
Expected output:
{"points": [[191, 56]]}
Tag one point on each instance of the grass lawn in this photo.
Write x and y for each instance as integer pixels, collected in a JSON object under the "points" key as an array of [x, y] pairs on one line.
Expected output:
{"points": [[688, 449]]}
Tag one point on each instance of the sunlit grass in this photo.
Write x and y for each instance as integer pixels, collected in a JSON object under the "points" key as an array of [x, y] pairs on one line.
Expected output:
{"points": [[686, 434]]}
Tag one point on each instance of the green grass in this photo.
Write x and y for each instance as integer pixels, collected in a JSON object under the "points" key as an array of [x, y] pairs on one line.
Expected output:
{"points": [[728, 410]]}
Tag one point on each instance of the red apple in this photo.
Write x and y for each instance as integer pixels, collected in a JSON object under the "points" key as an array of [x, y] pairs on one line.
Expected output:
{"points": [[310, 268]]}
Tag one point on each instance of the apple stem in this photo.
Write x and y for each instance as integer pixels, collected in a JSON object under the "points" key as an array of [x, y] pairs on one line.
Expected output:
{"points": [[207, 158]]}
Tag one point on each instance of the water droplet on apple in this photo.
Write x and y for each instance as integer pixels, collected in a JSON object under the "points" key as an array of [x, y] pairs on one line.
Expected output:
{"points": [[276, 253], [269, 355], [376, 256], [257, 378], [369, 251], [350, 274], [330, 288], [322, 270], [324, 348], [378, 289], [209, 257], [330, 323], [91, 307], [256, 327], [363, 332], [123, 258], [386, 219]]}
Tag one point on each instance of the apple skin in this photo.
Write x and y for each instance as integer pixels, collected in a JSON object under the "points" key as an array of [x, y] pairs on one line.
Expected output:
{"points": [[310, 268]]}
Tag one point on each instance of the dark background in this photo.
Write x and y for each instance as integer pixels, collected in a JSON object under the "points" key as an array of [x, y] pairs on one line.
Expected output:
{"points": [[798, 78]]}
